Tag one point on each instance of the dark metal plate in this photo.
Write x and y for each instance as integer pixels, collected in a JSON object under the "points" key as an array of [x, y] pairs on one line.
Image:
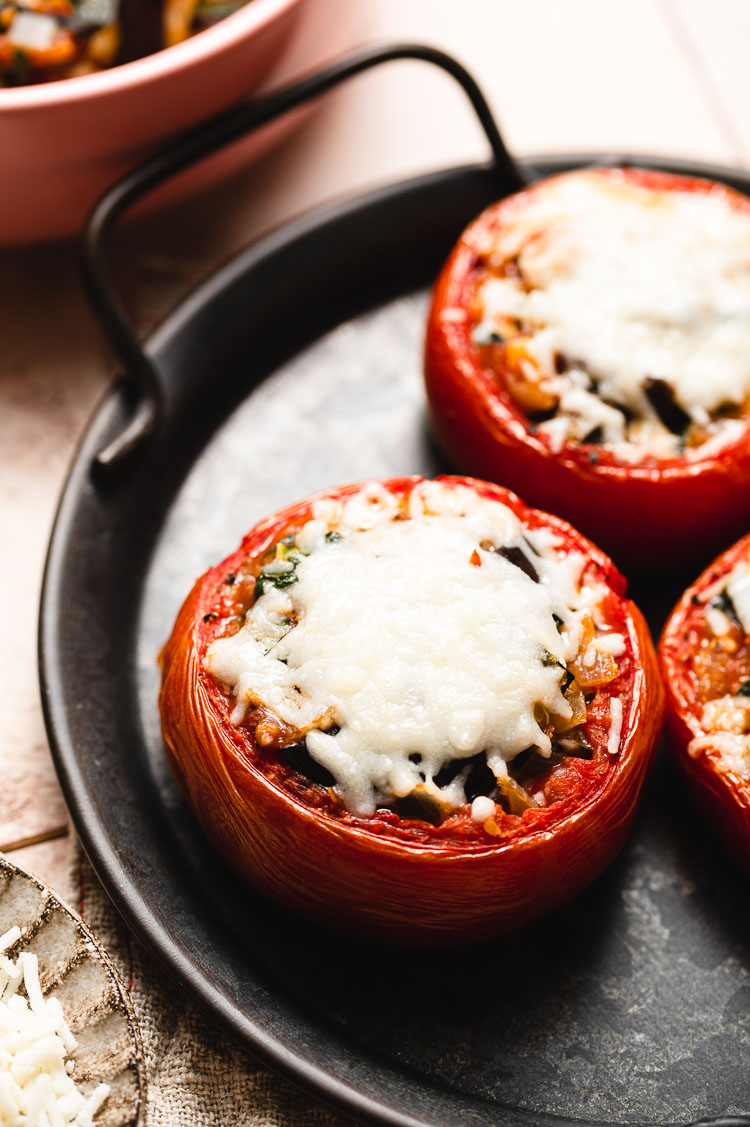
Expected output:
{"points": [[295, 368]]}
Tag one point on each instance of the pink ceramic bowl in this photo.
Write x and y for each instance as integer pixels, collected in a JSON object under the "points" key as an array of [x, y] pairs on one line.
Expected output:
{"points": [[64, 142]]}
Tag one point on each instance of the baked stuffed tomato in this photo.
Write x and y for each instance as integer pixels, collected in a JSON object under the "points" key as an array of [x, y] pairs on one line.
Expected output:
{"points": [[588, 344], [705, 659], [417, 710]]}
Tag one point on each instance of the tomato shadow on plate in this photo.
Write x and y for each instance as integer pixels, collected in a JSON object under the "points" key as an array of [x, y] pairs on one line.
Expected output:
{"points": [[620, 970]]}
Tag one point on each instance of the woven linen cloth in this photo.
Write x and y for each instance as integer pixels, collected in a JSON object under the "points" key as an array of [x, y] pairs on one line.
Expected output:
{"points": [[196, 1076]]}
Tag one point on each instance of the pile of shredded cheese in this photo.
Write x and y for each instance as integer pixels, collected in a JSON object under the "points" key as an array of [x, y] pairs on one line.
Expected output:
{"points": [[36, 1088], [416, 637], [627, 283]]}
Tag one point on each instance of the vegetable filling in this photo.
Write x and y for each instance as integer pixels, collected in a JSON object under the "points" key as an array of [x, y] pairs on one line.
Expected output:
{"points": [[618, 315], [721, 670], [46, 40]]}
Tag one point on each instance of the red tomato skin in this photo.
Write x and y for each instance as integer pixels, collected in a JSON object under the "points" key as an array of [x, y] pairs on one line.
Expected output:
{"points": [[722, 797], [344, 876], [645, 515]]}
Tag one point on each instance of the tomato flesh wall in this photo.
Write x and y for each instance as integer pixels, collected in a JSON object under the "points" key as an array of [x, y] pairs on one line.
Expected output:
{"points": [[540, 791]]}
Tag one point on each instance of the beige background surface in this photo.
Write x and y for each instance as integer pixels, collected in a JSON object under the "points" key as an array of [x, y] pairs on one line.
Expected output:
{"points": [[652, 76]]}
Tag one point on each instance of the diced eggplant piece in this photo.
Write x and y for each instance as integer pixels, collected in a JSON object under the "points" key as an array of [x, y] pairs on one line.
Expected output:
{"points": [[518, 558], [567, 679], [512, 796], [660, 395], [299, 758], [141, 27], [421, 806], [448, 773], [480, 781], [723, 602], [576, 746], [528, 765]]}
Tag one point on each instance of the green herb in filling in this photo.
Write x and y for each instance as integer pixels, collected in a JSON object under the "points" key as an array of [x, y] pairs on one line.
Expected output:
{"points": [[278, 580]]}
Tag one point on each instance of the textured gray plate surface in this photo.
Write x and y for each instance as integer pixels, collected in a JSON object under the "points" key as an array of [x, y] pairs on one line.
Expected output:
{"points": [[635, 998], [75, 968], [296, 368]]}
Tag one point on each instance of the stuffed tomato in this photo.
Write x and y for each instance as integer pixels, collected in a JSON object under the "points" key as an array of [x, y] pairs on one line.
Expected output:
{"points": [[705, 659], [588, 344], [416, 710]]}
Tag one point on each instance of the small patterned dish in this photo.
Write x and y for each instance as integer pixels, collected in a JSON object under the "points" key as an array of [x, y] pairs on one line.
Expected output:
{"points": [[75, 968]]}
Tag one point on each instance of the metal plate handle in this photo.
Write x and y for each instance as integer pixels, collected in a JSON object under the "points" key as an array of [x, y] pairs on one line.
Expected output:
{"points": [[141, 372]]}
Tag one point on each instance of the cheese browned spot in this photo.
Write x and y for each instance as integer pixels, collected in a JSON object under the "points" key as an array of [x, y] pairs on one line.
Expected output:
{"points": [[627, 310], [418, 639]]}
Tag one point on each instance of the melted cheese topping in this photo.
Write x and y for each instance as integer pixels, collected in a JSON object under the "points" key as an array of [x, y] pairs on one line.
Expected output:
{"points": [[627, 284], [415, 637]]}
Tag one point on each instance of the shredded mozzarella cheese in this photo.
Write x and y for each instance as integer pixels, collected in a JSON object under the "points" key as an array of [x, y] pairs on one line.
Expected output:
{"points": [[613, 644], [482, 808], [36, 1089], [615, 725]]}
